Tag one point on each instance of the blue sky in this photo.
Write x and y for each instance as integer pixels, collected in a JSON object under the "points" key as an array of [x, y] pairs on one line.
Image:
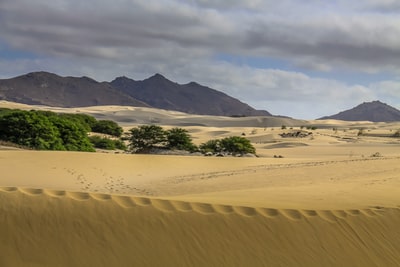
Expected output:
{"points": [[304, 59]]}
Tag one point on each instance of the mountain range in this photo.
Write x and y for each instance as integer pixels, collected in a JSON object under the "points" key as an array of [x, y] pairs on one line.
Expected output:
{"points": [[44, 88], [374, 111]]}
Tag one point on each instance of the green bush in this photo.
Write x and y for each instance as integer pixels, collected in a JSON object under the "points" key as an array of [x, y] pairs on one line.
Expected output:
{"points": [[107, 127], [233, 144], [85, 120], [178, 138], [73, 135], [30, 129], [106, 143], [43, 131], [237, 145], [145, 137], [213, 146]]}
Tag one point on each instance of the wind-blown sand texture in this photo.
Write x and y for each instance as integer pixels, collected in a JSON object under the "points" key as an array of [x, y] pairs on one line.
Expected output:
{"points": [[327, 202]]}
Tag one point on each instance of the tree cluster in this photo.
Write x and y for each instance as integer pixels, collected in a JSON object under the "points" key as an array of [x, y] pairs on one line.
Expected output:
{"points": [[145, 138], [46, 130], [235, 145]]}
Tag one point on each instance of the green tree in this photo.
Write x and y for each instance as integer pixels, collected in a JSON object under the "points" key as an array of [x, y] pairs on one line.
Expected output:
{"points": [[237, 145], [30, 129], [107, 127], [86, 121], [106, 143], [213, 146], [233, 144], [145, 137], [178, 138], [43, 130], [73, 135]]}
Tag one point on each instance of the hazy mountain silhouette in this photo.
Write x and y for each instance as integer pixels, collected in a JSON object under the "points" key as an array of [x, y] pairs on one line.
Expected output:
{"points": [[374, 111]]}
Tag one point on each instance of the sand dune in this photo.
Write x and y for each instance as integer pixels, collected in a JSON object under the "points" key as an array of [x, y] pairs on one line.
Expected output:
{"points": [[330, 200], [197, 211], [131, 116], [58, 228]]}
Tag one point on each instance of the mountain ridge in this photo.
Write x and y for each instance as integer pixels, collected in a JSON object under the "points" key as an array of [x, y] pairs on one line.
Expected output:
{"points": [[45, 88], [50, 89], [190, 98]]}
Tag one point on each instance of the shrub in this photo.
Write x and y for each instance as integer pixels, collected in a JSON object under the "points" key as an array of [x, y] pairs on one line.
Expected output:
{"points": [[233, 144], [106, 143], [178, 138], [376, 155], [85, 120], [145, 137], [237, 145], [44, 131], [73, 135], [30, 129], [213, 146], [107, 127]]}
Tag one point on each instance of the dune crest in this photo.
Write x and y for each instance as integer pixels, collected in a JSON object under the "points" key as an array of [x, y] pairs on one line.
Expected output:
{"points": [[112, 230], [166, 205]]}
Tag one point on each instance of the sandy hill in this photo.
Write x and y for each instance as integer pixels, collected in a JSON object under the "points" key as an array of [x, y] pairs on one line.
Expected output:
{"points": [[43, 88], [375, 111], [130, 116]]}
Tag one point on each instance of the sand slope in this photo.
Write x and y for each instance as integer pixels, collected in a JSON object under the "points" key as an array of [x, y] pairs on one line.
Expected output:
{"points": [[197, 211], [57, 228]]}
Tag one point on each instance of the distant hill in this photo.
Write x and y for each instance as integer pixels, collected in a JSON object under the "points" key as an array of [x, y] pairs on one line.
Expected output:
{"points": [[43, 88], [374, 111], [159, 92]]}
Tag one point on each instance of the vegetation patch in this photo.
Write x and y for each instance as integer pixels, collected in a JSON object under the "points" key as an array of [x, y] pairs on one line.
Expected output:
{"points": [[235, 145], [107, 143], [147, 138], [150, 138], [46, 130]]}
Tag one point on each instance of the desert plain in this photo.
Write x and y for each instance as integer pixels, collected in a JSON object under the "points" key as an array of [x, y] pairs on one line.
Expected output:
{"points": [[329, 198]]}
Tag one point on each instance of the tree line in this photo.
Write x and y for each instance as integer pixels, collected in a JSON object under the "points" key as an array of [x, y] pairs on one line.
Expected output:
{"points": [[46, 130]]}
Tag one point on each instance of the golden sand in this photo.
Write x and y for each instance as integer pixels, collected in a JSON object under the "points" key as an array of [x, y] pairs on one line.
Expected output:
{"points": [[327, 202]]}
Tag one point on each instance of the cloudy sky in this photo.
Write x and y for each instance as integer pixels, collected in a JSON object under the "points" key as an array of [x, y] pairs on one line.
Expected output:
{"points": [[304, 59]]}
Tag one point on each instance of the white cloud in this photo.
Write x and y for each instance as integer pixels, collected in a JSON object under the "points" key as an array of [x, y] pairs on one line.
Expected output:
{"points": [[113, 30]]}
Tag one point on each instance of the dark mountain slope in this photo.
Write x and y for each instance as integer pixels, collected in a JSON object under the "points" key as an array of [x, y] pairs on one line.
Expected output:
{"points": [[52, 90], [193, 98], [43, 88], [375, 111]]}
